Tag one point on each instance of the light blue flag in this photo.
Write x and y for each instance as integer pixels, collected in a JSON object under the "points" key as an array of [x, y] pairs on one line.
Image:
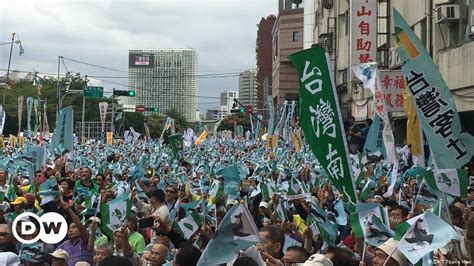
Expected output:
{"points": [[271, 119], [427, 233], [374, 141], [231, 180], [236, 232], [36, 103], [29, 109], [37, 155], [433, 100], [63, 133], [341, 215]]}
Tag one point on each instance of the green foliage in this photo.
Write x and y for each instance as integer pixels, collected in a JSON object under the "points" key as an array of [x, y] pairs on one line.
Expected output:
{"points": [[228, 122], [47, 91]]}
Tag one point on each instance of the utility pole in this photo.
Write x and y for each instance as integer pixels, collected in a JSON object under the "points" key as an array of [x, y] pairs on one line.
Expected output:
{"points": [[8, 69], [83, 111], [112, 127], [58, 90]]}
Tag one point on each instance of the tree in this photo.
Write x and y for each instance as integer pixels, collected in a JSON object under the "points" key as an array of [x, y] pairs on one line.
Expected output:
{"points": [[47, 91], [155, 123], [228, 122], [135, 120], [180, 121]]}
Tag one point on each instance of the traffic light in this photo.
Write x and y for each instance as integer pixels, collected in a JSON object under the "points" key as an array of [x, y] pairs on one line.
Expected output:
{"points": [[129, 93], [237, 110], [153, 109]]}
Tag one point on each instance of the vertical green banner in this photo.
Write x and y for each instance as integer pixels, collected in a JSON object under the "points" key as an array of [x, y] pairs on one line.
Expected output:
{"points": [[433, 100], [320, 118]]}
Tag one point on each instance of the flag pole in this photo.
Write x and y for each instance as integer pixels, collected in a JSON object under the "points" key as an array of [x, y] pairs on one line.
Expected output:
{"points": [[8, 69]]}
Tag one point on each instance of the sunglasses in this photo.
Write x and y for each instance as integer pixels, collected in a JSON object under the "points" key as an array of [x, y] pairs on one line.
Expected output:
{"points": [[170, 191], [3, 234]]}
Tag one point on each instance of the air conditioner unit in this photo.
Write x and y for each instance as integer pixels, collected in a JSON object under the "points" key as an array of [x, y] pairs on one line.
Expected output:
{"points": [[447, 13]]}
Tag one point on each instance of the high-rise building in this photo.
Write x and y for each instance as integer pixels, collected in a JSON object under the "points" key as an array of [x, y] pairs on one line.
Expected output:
{"points": [[227, 98], [287, 37], [164, 78], [248, 88], [264, 57]]}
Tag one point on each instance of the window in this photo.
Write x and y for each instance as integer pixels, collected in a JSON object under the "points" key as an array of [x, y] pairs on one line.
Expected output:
{"points": [[296, 36]]}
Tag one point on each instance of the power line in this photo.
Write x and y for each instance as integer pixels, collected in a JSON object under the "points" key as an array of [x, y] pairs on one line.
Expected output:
{"points": [[94, 65]]}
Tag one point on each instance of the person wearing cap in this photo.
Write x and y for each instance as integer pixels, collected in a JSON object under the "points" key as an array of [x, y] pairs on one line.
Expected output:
{"points": [[18, 206], [389, 248], [9, 258], [59, 257]]}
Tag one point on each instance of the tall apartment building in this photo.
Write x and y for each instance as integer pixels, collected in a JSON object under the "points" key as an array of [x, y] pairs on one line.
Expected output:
{"points": [[263, 52], [248, 88], [227, 98], [445, 27], [287, 38], [164, 78]]}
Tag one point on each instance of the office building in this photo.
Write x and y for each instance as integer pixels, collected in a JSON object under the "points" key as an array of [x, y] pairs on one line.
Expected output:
{"points": [[287, 38], [164, 78], [248, 88], [263, 52]]}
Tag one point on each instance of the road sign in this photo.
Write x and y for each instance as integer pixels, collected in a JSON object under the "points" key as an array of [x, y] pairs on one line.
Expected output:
{"points": [[93, 92], [140, 108], [249, 109]]}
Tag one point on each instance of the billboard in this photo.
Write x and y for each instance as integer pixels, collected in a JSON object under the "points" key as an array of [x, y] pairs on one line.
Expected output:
{"points": [[140, 60]]}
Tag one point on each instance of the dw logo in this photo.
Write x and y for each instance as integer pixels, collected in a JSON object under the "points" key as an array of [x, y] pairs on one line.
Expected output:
{"points": [[50, 228]]}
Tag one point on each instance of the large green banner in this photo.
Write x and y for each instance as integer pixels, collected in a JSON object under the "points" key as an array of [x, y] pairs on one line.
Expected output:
{"points": [[433, 100], [320, 117]]}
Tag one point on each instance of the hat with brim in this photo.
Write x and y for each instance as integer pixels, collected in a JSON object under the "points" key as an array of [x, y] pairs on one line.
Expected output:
{"points": [[19, 200], [388, 246], [60, 254]]}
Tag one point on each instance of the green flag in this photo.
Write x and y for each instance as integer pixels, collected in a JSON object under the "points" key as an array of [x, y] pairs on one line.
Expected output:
{"points": [[433, 100], [320, 118]]}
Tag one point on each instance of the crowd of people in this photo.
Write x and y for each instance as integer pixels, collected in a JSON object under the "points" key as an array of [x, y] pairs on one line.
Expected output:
{"points": [[165, 188]]}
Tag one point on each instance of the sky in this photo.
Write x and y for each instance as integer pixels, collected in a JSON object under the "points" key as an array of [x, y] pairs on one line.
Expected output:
{"points": [[101, 32]]}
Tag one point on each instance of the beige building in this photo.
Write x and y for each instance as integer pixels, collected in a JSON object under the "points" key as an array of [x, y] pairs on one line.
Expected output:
{"points": [[445, 27], [287, 35], [248, 88]]}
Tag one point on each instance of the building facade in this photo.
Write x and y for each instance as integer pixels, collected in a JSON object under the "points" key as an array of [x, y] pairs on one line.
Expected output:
{"points": [[445, 27], [248, 88], [164, 78], [92, 129], [287, 38], [227, 98], [263, 52]]}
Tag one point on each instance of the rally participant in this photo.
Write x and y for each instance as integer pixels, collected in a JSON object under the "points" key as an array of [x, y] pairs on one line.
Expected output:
{"points": [[272, 240], [77, 244], [385, 250], [86, 182]]}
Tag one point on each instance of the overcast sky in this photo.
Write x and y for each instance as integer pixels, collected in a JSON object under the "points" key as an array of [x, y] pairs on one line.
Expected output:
{"points": [[223, 32]]}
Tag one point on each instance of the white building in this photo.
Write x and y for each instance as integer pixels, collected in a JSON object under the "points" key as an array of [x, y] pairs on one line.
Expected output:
{"points": [[164, 78], [248, 88], [227, 98]]}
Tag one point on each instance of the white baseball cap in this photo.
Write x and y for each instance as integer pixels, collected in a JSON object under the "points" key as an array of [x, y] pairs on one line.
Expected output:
{"points": [[9, 258], [60, 254], [318, 260]]}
